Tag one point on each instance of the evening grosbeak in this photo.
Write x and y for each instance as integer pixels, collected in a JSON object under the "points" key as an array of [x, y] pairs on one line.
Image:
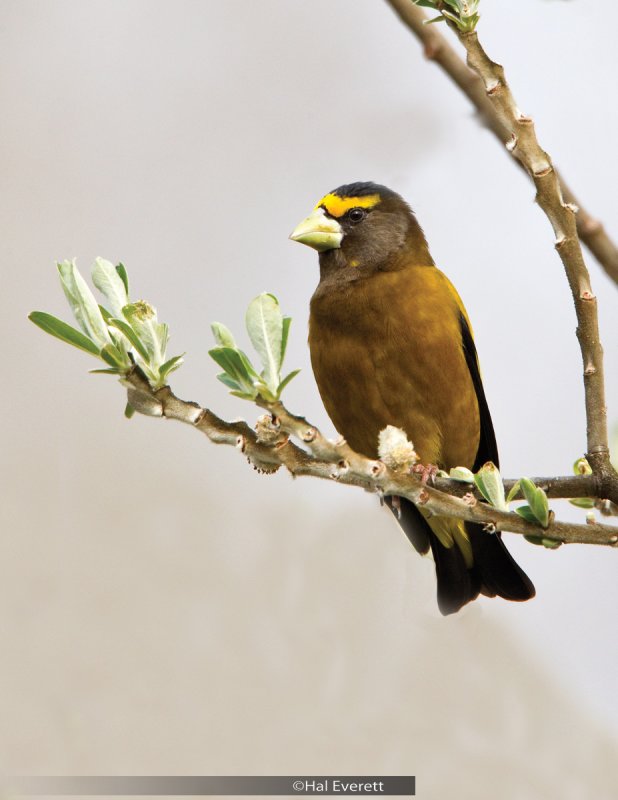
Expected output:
{"points": [[391, 344]]}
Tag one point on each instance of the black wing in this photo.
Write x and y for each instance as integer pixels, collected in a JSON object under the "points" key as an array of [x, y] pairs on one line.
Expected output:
{"points": [[498, 572], [488, 449]]}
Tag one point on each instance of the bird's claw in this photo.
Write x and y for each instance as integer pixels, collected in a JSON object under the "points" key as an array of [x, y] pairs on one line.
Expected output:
{"points": [[427, 472]]}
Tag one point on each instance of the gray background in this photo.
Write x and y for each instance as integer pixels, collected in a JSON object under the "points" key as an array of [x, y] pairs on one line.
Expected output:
{"points": [[164, 609]]}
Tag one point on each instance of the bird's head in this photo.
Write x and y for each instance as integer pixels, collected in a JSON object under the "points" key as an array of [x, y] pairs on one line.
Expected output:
{"points": [[361, 228]]}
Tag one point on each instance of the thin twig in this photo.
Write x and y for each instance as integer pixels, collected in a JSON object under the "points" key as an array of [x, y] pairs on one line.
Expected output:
{"points": [[438, 49], [270, 446], [560, 487]]}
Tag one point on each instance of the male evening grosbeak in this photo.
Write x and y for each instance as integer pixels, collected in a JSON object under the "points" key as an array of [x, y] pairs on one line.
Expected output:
{"points": [[391, 344]]}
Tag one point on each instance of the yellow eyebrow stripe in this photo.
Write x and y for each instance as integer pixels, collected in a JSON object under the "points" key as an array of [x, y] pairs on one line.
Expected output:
{"points": [[337, 206]]}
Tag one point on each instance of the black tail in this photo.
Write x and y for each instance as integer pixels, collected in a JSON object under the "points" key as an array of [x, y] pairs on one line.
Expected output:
{"points": [[495, 571]]}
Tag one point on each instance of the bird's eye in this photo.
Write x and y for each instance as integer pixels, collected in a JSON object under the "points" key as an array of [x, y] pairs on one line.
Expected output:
{"points": [[356, 214]]}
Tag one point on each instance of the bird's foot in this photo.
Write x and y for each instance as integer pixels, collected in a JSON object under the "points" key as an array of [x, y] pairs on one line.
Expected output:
{"points": [[427, 472]]}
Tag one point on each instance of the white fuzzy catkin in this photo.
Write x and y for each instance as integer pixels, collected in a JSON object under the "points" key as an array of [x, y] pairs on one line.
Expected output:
{"points": [[395, 449]]}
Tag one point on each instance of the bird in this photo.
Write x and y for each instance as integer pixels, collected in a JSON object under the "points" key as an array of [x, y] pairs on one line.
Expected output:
{"points": [[391, 344]]}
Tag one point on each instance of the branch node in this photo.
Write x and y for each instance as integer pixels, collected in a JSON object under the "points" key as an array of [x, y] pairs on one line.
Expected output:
{"points": [[605, 507], [543, 171], [423, 497], [601, 449], [378, 468], [512, 143], [469, 499], [431, 50], [267, 432], [309, 435]]}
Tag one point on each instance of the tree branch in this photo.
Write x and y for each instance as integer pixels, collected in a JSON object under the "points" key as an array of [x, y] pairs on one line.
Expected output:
{"points": [[524, 146], [270, 446], [437, 48]]}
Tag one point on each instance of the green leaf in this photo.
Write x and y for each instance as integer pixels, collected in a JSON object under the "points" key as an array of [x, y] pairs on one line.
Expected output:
{"points": [[120, 344], [551, 544], [264, 391], [120, 269], [285, 332], [105, 314], [285, 381], [232, 363], [489, 483], [164, 335], [229, 360], [248, 365], [527, 514], [229, 382], [462, 474], [537, 501], [114, 358], [107, 280], [223, 335], [131, 335], [265, 328], [515, 490], [543, 541], [66, 333], [85, 308], [110, 371], [170, 366], [582, 502], [129, 411]]}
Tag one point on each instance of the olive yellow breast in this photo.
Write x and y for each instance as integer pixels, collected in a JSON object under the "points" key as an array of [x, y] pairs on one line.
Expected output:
{"points": [[387, 350]]}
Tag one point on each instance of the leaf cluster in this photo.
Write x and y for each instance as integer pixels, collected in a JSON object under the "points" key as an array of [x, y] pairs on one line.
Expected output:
{"points": [[462, 13], [489, 483], [268, 331], [122, 334]]}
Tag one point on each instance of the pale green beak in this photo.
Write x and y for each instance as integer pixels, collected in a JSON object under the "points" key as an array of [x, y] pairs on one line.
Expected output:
{"points": [[318, 231]]}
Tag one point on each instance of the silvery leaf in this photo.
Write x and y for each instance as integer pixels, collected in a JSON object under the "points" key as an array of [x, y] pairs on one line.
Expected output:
{"points": [[107, 280], [85, 307], [265, 327], [223, 335]]}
